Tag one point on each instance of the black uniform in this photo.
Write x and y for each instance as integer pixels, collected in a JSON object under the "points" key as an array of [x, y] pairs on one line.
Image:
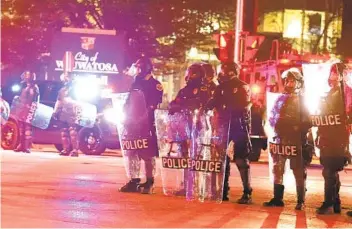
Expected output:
{"points": [[29, 94], [333, 141], [234, 96], [191, 97], [153, 94], [69, 134]]}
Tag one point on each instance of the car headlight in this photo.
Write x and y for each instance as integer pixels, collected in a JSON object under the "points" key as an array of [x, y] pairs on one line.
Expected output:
{"points": [[15, 88]]}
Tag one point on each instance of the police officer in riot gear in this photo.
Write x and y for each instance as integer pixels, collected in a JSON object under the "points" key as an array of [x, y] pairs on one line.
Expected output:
{"points": [[29, 94], [153, 92], [292, 107], [333, 141], [69, 136], [193, 96], [233, 95], [209, 77], [196, 92]]}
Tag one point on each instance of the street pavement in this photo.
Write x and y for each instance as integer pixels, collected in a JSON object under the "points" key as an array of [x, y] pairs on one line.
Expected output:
{"points": [[109, 152], [44, 190]]}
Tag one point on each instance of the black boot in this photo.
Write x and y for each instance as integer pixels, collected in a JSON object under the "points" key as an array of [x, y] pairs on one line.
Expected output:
{"points": [[328, 204], [19, 148], [27, 141], [64, 153], [325, 208], [301, 193], [244, 169], [225, 194], [66, 143], [246, 197], [147, 187], [337, 204], [74, 153], [131, 186], [277, 201], [74, 141]]}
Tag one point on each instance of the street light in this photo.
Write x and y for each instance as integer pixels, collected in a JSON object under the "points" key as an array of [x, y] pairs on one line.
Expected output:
{"points": [[193, 52]]}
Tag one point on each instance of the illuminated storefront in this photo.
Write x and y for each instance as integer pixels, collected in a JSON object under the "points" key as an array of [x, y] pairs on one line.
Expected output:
{"points": [[303, 27]]}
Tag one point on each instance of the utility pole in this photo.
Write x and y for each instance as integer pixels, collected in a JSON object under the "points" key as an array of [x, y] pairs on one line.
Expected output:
{"points": [[303, 26], [238, 29]]}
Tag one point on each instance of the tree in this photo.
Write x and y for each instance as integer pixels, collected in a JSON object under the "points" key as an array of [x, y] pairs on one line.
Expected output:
{"points": [[333, 9], [158, 28]]}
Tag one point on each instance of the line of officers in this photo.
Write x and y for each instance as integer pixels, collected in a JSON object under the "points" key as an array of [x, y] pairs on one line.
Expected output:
{"points": [[233, 94]]}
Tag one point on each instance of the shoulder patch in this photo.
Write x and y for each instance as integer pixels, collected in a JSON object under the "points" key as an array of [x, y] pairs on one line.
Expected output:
{"points": [[203, 88], [159, 87]]}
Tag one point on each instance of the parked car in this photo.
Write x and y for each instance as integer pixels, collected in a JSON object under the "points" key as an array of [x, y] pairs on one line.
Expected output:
{"points": [[92, 141]]}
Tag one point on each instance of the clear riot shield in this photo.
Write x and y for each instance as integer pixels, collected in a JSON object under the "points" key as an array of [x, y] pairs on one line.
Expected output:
{"points": [[174, 134], [36, 114], [347, 84], [328, 106], [133, 127], [78, 112], [5, 111], [210, 133], [283, 128]]}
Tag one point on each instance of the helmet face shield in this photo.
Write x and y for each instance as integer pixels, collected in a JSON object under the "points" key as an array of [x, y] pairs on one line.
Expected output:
{"points": [[293, 80], [141, 67], [134, 70], [28, 76], [228, 71], [195, 73]]}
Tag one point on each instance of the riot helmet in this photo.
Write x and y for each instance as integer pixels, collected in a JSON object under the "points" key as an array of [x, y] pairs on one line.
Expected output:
{"points": [[293, 80], [228, 71], [195, 74], [28, 76], [209, 72], [141, 68]]}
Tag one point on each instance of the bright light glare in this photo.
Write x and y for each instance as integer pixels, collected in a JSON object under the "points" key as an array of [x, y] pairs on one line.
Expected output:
{"points": [[193, 52], [316, 85], [294, 29], [106, 93], [255, 89], [114, 115], [86, 89], [16, 88]]}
